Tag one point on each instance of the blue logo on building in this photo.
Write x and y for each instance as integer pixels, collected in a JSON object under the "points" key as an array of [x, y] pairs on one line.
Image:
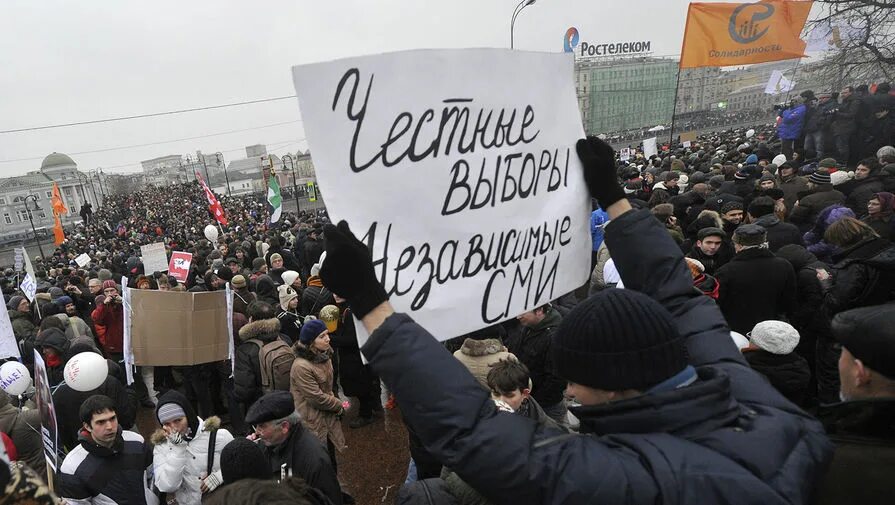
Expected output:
{"points": [[748, 29], [571, 40]]}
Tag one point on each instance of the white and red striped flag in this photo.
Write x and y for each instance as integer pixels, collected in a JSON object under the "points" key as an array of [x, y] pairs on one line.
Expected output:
{"points": [[213, 204]]}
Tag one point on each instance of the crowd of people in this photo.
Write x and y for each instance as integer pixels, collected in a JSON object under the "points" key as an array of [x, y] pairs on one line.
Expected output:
{"points": [[735, 343]]}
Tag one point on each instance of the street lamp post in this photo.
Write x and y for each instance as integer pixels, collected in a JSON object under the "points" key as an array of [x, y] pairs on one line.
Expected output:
{"points": [[294, 187], [518, 10], [86, 178], [103, 184], [100, 183], [31, 220], [207, 179], [220, 158]]}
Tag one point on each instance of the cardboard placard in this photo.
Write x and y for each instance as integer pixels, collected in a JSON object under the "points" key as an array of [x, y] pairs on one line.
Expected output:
{"points": [[155, 259], [171, 328], [463, 148], [179, 267], [688, 136], [83, 260]]}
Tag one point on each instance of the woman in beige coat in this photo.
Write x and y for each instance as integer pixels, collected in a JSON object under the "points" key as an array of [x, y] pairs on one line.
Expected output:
{"points": [[311, 384]]}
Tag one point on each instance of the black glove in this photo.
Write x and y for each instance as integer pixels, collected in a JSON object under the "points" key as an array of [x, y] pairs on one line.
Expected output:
{"points": [[599, 171], [348, 270]]}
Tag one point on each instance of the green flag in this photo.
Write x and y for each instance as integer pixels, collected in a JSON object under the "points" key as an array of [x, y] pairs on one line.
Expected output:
{"points": [[274, 199]]}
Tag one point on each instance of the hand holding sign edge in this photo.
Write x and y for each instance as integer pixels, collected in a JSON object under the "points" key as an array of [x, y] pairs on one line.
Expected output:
{"points": [[348, 270], [598, 159]]}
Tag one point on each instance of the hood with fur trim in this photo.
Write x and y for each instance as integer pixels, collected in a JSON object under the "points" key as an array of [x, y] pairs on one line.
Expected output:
{"points": [[160, 437], [264, 330], [484, 347]]}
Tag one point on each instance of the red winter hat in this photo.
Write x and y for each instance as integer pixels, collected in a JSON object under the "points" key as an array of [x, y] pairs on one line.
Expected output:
{"points": [[109, 284]]}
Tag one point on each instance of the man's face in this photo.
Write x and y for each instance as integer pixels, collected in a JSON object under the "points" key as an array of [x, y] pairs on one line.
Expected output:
{"points": [[514, 399], [733, 216], [94, 286], [530, 318], [671, 184], [179, 425], [271, 433], [277, 263], [103, 427], [845, 93], [765, 185], [223, 249], [24, 306], [71, 310], [787, 171], [234, 268], [862, 172], [709, 245]]}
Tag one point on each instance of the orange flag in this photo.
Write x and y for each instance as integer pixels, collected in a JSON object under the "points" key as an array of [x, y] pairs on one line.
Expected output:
{"points": [[58, 210], [725, 34]]}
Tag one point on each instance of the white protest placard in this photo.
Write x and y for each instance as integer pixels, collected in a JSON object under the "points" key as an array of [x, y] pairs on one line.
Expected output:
{"points": [[19, 259], [458, 169], [8, 346], [686, 144], [625, 153], [83, 260], [29, 287], [154, 257], [649, 148], [28, 267]]}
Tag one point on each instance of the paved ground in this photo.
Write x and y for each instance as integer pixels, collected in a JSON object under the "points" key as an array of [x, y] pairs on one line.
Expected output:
{"points": [[371, 469]]}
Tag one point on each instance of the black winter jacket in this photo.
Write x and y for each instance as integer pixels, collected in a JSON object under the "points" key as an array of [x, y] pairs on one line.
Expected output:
{"points": [[727, 438], [863, 274], [247, 368], [859, 191], [305, 457], [779, 233], [532, 347], [756, 286], [788, 373], [805, 213]]}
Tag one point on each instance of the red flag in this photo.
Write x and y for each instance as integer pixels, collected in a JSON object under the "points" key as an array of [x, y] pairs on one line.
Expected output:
{"points": [[214, 206]]}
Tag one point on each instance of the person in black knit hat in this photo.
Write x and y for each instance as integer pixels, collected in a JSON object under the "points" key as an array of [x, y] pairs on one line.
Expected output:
{"points": [[673, 411]]}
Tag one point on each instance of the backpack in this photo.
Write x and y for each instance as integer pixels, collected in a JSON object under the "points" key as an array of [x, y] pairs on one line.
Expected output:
{"points": [[275, 359]]}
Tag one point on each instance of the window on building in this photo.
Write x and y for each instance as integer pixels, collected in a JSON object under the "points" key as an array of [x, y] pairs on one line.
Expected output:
{"points": [[7, 218], [2, 201], [49, 194], [22, 215]]}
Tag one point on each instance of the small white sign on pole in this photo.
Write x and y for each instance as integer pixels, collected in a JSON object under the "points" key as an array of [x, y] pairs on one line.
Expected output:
{"points": [[650, 148], [154, 257], [625, 154], [29, 287], [481, 211]]}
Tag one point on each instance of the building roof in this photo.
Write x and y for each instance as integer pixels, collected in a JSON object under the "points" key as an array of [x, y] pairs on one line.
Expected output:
{"points": [[56, 160], [25, 181]]}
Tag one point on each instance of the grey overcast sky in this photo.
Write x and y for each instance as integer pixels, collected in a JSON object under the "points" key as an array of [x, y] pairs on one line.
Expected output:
{"points": [[64, 61]]}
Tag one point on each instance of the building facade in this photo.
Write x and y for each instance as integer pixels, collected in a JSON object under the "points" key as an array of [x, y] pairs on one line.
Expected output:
{"points": [[76, 188], [615, 95]]}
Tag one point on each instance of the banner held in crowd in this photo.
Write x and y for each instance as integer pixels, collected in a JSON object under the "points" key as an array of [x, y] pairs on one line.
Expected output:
{"points": [[725, 34], [83, 260], [29, 287], [481, 207], [9, 347]]}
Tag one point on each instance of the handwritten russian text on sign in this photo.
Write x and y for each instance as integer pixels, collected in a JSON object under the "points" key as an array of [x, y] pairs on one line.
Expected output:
{"points": [[83, 260], [458, 169], [179, 267], [155, 259], [29, 287]]}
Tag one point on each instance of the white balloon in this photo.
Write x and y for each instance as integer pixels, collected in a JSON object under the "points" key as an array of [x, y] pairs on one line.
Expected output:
{"points": [[86, 371], [750, 133], [14, 378], [211, 233]]}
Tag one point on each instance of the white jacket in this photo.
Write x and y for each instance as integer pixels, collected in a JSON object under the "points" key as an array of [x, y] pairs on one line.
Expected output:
{"points": [[180, 468]]}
